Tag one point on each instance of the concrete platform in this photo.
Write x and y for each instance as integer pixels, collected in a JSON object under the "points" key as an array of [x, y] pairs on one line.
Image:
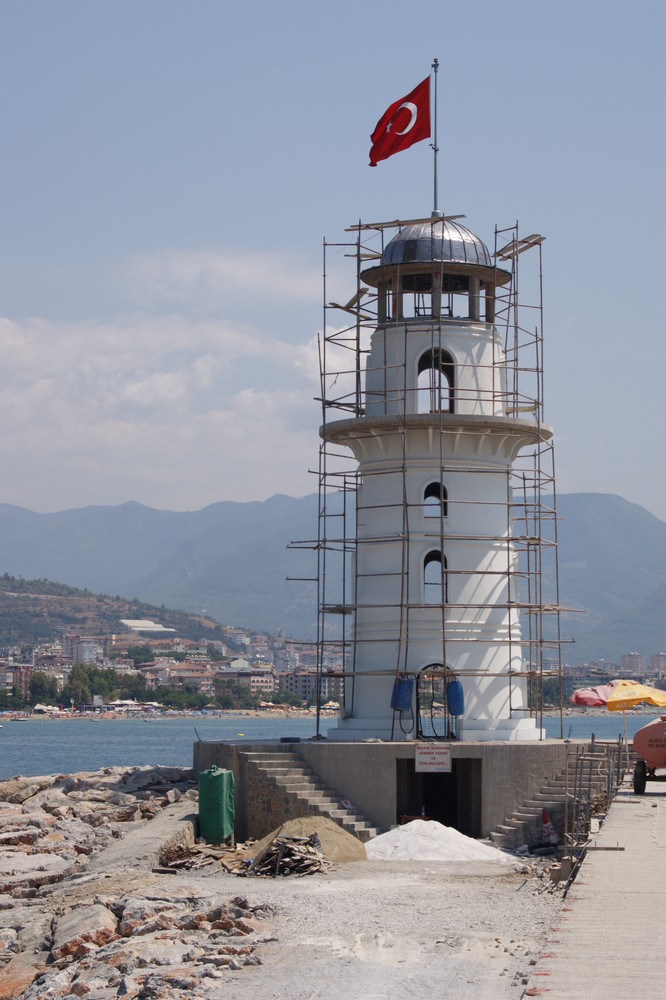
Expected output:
{"points": [[610, 940], [487, 783]]}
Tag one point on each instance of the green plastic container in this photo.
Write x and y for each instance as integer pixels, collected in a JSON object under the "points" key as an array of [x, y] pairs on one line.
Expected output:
{"points": [[216, 805]]}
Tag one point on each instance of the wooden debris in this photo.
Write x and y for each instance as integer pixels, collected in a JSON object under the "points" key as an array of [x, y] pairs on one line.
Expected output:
{"points": [[202, 856], [283, 855], [290, 856]]}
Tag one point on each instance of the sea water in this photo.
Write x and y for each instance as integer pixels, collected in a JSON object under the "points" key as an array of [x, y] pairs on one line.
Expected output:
{"points": [[62, 746], [52, 746]]}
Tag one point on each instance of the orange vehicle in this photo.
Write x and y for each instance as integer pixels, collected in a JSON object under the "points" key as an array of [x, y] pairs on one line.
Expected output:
{"points": [[650, 747]]}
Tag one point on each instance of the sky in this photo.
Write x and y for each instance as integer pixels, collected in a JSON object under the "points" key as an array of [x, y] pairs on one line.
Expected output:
{"points": [[170, 169]]}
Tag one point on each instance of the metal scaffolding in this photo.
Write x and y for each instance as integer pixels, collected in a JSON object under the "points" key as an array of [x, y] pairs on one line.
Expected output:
{"points": [[530, 568]]}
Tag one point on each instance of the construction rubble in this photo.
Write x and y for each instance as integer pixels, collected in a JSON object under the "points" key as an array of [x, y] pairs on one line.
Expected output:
{"points": [[283, 856], [301, 846]]}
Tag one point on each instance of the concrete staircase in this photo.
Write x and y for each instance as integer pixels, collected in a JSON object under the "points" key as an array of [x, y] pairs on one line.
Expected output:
{"points": [[525, 824], [299, 782]]}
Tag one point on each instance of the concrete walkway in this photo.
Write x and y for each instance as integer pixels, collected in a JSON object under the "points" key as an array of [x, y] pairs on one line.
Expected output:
{"points": [[610, 940]]}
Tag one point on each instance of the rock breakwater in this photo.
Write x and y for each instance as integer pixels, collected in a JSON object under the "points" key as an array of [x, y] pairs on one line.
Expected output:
{"points": [[81, 911]]}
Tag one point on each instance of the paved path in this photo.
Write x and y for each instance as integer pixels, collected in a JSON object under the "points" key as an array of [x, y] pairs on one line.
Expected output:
{"points": [[610, 940]]}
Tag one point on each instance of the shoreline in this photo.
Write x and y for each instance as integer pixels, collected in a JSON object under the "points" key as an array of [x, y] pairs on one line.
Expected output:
{"points": [[287, 714], [134, 716]]}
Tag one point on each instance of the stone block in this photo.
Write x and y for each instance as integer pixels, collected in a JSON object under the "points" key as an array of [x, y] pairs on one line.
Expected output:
{"points": [[19, 973], [19, 789], [84, 925]]}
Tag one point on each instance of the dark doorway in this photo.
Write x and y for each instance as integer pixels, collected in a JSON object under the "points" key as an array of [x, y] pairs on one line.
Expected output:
{"points": [[452, 799]]}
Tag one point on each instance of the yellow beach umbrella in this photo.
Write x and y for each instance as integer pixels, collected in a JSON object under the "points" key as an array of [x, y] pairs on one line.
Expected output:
{"points": [[627, 694]]}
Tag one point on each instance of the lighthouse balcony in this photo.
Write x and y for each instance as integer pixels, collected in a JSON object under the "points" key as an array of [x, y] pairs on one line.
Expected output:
{"points": [[463, 437]]}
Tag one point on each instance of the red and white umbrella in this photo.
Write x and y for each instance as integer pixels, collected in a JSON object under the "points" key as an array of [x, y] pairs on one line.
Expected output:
{"points": [[593, 697]]}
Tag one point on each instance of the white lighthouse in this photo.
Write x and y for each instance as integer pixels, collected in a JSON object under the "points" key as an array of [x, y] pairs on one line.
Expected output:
{"points": [[430, 542]]}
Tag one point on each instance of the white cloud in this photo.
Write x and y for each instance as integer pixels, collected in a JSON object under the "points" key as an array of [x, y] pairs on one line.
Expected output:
{"points": [[208, 278], [165, 410]]}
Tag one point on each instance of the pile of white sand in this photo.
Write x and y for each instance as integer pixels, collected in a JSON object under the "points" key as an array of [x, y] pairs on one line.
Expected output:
{"points": [[426, 840]]}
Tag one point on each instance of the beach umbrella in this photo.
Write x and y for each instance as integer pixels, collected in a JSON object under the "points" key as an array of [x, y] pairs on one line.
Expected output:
{"points": [[626, 694], [618, 696], [593, 697]]}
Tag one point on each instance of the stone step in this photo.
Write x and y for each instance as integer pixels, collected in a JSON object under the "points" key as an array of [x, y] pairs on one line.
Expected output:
{"points": [[308, 789], [293, 777], [530, 827], [300, 781], [297, 786], [348, 821], [275, 765], [365, 827], [580, 773], [286, 769], [312, 780], [285, 777], [502, 839], [276, 758], [527, 822], [338, 814], [322, 801], [279, 768]]}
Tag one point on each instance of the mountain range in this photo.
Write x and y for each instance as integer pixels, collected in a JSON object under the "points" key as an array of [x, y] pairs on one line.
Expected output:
{"points": [[232, 562]]}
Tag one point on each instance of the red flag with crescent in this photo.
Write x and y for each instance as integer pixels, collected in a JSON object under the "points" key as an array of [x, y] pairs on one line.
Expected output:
{"points": [[406, 121]]}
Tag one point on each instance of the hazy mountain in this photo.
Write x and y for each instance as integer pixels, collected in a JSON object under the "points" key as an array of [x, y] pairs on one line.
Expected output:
{"points": [[229, 558], [232, 560], [612, 562]]}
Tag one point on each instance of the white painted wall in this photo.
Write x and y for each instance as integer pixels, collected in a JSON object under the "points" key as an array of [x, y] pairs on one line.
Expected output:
{"points": [[476, 446]]}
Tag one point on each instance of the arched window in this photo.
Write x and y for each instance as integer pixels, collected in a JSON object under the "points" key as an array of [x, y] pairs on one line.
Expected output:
{"points": [[434, 574], [436, 382], [435, 500]]}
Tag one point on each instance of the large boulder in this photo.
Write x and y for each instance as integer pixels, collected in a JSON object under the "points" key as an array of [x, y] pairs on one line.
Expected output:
{"points": [[19, 789], [84, 925]]}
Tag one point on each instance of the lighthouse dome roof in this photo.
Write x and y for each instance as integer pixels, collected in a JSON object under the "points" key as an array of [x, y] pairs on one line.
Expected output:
{"points": [[436, 239]]}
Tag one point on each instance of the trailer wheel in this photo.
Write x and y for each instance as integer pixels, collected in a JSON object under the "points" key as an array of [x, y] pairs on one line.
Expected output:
{"points": [[640, 777]]}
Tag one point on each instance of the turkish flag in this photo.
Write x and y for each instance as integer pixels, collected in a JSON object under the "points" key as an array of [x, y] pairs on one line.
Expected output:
{"points": [[404, 123]]}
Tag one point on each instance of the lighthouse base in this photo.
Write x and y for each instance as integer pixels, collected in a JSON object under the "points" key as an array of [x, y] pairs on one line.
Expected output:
{"points": [[481, 730], [355, 730], [469, 730]]}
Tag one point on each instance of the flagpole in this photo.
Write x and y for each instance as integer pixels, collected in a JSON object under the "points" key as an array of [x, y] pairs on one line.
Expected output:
{"points": [[435, 147]]}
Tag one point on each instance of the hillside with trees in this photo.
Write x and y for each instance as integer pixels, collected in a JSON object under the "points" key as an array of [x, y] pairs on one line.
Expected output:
{"points": [[33, 611]]}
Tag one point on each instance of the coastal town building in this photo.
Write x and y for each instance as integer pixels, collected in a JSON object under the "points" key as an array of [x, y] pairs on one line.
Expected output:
{"points": [[124, 666], [16, 675], [310, 686], [271, 662], [258, 681], [633, 664], [81, 649], [658, 665]]}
